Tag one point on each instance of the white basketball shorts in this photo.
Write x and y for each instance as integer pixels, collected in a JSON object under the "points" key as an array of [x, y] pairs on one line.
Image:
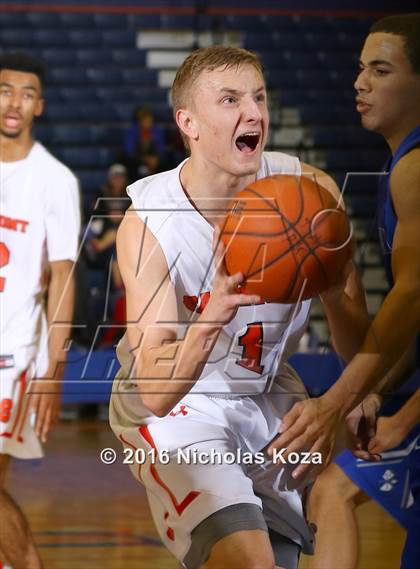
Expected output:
{"points": [[17, 435], [196, 460]]}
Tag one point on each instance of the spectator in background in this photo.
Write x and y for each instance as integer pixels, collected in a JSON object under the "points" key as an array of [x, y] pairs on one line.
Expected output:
{"points": [[144, 145], [117, 182], [98, 275], [101, 250], [105, 217], [114, 187]]}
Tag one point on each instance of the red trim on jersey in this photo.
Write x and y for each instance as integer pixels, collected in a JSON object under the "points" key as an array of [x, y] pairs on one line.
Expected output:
{"points": [[22, 388], [189, 498], [196, 304]]}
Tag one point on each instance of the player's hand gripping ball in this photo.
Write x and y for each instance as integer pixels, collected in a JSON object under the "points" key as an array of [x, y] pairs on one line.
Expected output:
{"points": [[289, 238]]}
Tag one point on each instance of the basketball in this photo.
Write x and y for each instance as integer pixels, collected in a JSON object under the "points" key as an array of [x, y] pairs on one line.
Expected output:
{"points": [[289, 238]]}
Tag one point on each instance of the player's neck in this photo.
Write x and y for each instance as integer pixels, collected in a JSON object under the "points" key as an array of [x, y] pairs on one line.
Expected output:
{"points": [[395, 138], [207, 186], [14, 149]]}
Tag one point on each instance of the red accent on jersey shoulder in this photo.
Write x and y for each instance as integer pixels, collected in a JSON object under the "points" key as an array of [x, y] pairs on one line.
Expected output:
{"points": [[197, 304], [190, 302]]}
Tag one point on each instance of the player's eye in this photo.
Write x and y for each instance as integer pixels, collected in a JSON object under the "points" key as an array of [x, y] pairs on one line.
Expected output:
{"points": [[229, 100], [381, 72]]}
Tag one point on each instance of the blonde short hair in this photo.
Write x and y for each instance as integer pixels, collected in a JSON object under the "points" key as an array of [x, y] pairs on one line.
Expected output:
{"points": [[207, 59]]}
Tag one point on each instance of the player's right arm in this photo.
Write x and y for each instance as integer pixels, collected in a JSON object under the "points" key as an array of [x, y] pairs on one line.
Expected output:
{"points": [[344, 304], [167, 364], [392, 330]]}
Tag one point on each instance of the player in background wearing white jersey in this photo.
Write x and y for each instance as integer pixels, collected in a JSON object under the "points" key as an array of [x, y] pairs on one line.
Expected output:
{"points": [[39, 229], [187, 381]]}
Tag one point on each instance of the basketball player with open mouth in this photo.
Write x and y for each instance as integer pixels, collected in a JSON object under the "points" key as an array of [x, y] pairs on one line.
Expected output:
{"points": [[189, 376]]}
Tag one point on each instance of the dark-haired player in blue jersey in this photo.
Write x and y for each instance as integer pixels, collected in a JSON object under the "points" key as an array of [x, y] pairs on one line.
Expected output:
{"points": [[388, 99]]}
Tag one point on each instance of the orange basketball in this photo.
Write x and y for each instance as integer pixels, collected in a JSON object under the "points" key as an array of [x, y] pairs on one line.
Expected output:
{"points": [[288, 237]]}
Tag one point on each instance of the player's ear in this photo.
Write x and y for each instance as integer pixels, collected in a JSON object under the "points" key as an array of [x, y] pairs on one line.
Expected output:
{"points": [[186, 123], [39, 107]]}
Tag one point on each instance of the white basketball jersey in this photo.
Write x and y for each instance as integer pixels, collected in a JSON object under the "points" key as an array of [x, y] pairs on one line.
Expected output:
{"points": [[252, 348], [39, 222]]}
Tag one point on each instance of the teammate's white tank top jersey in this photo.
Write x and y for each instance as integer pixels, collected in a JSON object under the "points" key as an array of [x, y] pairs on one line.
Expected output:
{"points": [[252, 348], [39, 222]]}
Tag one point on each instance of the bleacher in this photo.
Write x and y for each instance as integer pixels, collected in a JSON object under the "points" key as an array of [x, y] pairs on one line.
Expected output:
{"points": [[102, 65]]}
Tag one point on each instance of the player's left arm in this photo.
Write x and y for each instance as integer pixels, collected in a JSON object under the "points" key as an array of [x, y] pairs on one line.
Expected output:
{"points": [[391, 431], [62, 227], [344, 304], [362, 422], [46, 392], [310, 423]]}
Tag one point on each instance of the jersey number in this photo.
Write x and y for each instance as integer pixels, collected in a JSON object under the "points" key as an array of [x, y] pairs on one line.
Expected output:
{"points": [[252, 345], [4, 259], [5, 410]]}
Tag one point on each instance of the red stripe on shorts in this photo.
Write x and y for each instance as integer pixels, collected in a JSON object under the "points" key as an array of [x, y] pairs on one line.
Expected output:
{"points": [[22, 388], [189, 498], [24, 417], [133, 447]]}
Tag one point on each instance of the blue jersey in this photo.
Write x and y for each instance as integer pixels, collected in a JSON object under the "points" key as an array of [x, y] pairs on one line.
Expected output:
{"points": [[394, 481], [387, 219]]}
